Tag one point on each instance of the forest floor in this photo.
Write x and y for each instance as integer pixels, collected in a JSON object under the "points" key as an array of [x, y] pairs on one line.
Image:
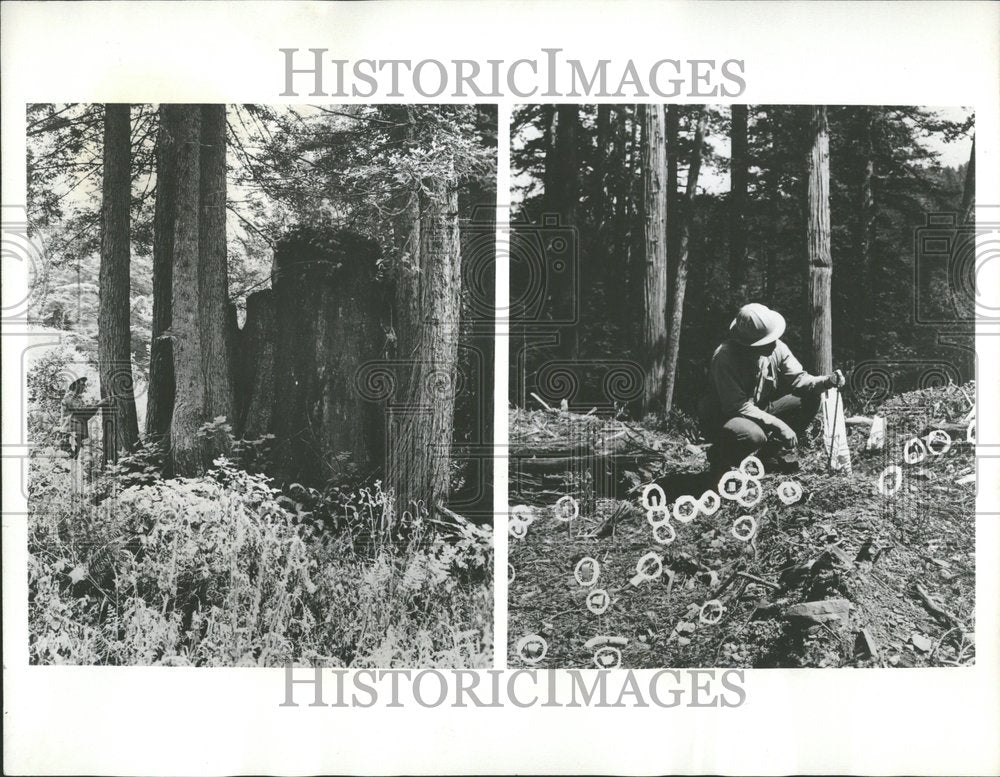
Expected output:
{"points": [[896, 577]]}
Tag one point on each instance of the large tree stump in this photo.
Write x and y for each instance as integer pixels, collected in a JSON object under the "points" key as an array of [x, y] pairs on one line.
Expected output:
{"points": [[326, 326]]}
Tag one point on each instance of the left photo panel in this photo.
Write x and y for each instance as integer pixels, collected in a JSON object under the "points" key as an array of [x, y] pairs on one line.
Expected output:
{"points": [[260, 384]]}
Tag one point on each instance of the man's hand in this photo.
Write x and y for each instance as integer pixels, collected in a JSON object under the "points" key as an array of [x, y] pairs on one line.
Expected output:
{"points": [[786, 434], [835, 380]]}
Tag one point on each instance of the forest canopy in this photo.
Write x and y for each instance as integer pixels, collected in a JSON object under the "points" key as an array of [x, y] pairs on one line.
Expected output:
{"points": [[289, 165], [290, 172], [744, 224]]}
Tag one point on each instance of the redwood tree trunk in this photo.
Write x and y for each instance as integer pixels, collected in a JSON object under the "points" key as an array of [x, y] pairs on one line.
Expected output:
{"points": [[672, 232], [654, 331], [189, 402], [255, 377], [602, 264], [213, 286], [631, 216], [818, 241], [619, 249], [562, 177], [549, 123], [738, 206], [421, 428], [406, 243], [680, 281], [160, 394], [114, 328]]}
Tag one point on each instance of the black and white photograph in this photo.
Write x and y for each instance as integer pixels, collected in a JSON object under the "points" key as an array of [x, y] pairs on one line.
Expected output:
{"points": [[742, 395], [260, 384], [509, 387]]}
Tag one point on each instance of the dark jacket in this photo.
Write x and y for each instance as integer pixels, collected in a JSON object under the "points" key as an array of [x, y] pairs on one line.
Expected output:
{"points": [[742, 384]]}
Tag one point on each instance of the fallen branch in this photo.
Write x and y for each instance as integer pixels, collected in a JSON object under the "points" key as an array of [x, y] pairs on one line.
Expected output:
{"points": [[541, 401], [938, 611], [725, 584], [760, 580]]}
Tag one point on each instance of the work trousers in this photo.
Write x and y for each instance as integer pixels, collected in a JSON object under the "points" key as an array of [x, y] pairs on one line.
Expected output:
{"points": [[736, 437]]}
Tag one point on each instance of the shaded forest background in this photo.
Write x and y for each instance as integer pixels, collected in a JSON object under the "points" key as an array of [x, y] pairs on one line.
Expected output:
{"points": [[742, 230]]}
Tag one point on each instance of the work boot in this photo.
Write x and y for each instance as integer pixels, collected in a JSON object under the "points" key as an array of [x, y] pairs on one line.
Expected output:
{"points": [[716, 464]]}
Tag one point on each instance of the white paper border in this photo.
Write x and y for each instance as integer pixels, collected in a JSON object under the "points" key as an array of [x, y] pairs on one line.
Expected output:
{"points": [[178, 721]]}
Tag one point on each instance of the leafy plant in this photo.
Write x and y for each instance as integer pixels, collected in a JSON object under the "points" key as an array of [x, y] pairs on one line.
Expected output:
{"points": [[223, 570]]}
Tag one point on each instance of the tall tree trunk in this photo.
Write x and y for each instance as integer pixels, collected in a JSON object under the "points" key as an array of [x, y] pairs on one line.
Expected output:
{"points": [[672, 232], [654, 333], [406, 303], [550, 120], [634, 265], [969, 192], [738, 206], [421, 431], [818, 241], [680, 282], [605, 148], [160, 394], [114, 346], [562, 177], [256, 354], [602, 202], [618, 262], [406, 244], [865, 225], [189, 404], [213, 286]]}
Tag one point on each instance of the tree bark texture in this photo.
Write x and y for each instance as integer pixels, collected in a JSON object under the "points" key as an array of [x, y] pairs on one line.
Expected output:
{"points": [[738, 205], [114, 326], [680, 281], [255, 366], [160, 394], [619, 290], [562, 178], [406, 243], [186, 451], [326, 328], [672, 232], [654, 330], [213, 285], [421, 426], [818, 241]]}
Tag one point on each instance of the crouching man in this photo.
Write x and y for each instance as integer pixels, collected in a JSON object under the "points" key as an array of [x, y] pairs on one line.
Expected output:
{"points": [[760, 399]]}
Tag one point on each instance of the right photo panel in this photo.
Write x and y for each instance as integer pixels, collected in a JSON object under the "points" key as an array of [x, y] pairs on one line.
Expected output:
{"points": [[742, 398]]}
